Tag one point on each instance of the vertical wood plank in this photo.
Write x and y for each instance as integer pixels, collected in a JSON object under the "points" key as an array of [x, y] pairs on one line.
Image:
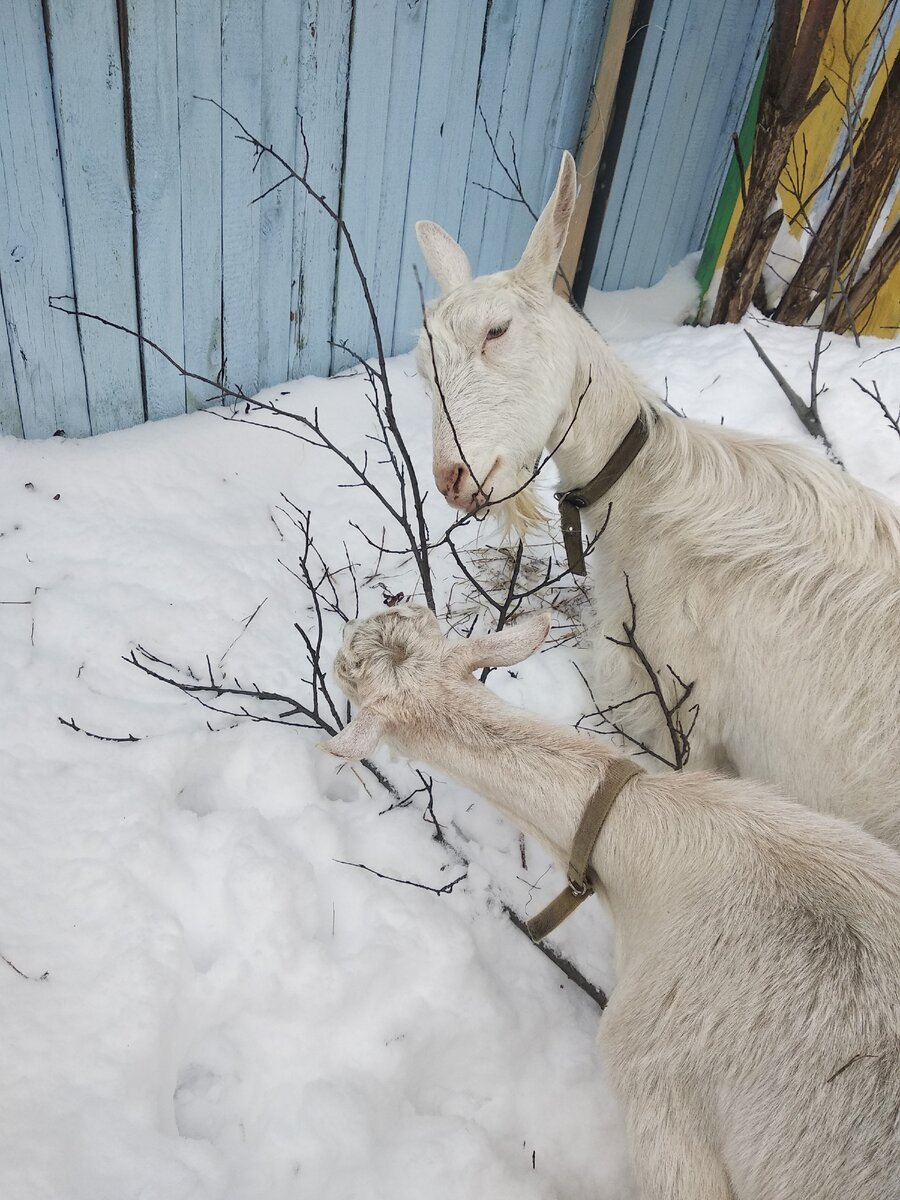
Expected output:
{"points": [[557, 100], [384, 82], [512, 40], [281, 23], [528, 117], [445, 117], [10, 417], [603, 274], [35, 261], [676, 151], [695, 77], [733, 65], [618, 19], [241, 184], [199, 54], [153, 79], [655, 101], [495, 55], [86, 72], [321, 102]]}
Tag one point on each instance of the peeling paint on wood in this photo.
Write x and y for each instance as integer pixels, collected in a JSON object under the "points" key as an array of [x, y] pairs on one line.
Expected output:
{"points": [[35, 260], [162, 227]]}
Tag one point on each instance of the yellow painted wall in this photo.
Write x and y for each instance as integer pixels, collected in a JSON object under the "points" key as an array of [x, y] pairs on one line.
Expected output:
{"points": [[845, 58]]}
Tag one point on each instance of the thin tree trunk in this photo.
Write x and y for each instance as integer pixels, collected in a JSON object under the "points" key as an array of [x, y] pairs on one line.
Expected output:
{"points": [[866, 288], [876, 160], [785, 104]]}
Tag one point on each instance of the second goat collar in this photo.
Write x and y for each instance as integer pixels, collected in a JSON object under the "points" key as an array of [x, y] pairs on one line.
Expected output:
{"points": [[619, 772]]}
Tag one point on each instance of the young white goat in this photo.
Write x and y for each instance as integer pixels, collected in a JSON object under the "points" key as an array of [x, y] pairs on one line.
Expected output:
{"points": [[760, 572], [754, 1034]]}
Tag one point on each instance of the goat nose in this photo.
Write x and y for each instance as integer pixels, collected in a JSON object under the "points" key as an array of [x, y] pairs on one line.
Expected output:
{"points": [[450, 479]]}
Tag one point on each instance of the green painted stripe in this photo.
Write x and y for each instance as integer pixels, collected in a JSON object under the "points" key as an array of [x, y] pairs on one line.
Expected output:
{"points": [[731, 189]]}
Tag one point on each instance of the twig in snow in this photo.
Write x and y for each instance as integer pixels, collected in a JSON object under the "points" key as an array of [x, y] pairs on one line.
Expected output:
{"points": [[808, 416], [875, 394], [100, 737], [21, 974], [568, 969], [425, 887]]}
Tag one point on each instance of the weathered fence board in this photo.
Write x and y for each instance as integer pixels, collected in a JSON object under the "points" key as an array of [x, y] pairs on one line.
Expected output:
{"points": [[451, 56], [322, 105], [168, 228], [89, 116], [695, 76], [36, 261], [153, 83], [697, 173], [281, 27], [10, 417], [381, 109], [199, 31], [241, 94], [553, 118], [505, 118]]}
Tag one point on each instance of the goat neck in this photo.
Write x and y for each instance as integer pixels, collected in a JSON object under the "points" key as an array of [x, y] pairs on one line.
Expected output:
{"points": [[605, 399], [541, 776], [537, 774]]}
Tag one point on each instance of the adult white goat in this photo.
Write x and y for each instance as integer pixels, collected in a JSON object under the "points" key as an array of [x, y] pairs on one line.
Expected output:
{"points": [[754, 1034], [761, 572]]}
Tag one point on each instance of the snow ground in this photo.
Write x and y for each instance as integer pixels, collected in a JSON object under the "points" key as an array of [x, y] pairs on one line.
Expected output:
{"points": [[229, 1011]]}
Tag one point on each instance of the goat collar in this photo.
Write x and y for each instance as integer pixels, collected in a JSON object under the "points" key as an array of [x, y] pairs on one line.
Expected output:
{"points": [[581, 881], [571, 502]]}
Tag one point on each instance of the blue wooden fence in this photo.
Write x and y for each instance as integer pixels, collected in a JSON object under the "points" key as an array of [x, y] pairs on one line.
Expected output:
{"points": [[699, 62], [124, 191]]}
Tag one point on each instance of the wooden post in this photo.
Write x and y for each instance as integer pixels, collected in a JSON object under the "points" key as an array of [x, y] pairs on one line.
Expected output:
{"points": [[599, 119]]}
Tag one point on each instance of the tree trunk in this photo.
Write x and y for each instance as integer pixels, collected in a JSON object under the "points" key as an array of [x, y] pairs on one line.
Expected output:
{"points": [[866, 288], [862, 191], [784, 105]]}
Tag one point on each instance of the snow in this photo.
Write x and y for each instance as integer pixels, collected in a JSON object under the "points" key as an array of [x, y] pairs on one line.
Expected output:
{"points": [[228, 1010], [641, 312]]}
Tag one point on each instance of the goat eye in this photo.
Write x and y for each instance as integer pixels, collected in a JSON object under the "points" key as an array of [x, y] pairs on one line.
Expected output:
{"points": [[496, 331]]}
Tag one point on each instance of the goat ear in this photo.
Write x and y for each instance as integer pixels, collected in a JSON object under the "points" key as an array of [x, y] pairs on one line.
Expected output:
{"points": [[541, 258], [358, 739], [508, 647], [446, 259]]}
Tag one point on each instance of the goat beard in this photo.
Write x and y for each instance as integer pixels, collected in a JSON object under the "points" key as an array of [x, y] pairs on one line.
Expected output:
{"points": [[519, 513]]}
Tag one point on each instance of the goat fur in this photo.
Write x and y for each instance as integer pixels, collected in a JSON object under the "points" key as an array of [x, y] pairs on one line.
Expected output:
{"points": [[754, 1034], [761, 572]]}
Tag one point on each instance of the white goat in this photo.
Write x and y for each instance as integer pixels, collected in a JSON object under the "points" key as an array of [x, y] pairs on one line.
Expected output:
{"points": [[754, 1034], [762, 573]]}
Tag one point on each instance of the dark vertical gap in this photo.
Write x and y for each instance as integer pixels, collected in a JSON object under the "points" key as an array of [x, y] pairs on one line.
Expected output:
{"points": [[340, 206], [122, 17], [180, 202], [631, 61], [11, 366], [48, 39]]}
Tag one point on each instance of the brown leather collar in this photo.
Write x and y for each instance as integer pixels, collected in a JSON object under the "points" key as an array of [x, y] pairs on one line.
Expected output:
{"points": [[581, 885], [571, 502]]}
